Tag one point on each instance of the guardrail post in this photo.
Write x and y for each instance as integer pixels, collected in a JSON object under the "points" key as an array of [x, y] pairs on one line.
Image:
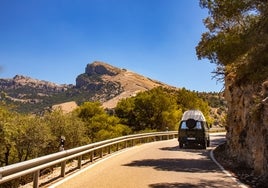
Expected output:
{"points": [[117, 147], [63, 165], [91, 156], [36, 179], [101, 152], [79, 165], [109, 149]]}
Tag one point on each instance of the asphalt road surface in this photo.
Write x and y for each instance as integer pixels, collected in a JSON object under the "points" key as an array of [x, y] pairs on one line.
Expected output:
{"points": [[154, 165]]}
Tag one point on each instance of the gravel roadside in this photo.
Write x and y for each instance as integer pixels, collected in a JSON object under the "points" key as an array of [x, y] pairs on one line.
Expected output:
{"points": [[239, 170]]}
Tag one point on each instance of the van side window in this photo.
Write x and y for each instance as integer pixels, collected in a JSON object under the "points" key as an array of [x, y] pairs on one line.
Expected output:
{"points": [[183, 125]]}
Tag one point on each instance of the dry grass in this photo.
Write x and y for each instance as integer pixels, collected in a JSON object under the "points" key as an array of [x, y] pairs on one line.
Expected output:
{"points": [[132, 84]]}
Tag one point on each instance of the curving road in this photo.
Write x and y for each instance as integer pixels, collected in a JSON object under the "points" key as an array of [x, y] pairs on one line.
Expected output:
{"points": [[154, 165]]}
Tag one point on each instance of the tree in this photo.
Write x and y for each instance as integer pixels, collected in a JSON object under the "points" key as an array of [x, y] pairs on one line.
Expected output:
{"points": [[104, 127], [188, 100], [237, 38], [7, 134], [124, 110], [67, 125], [99, 125], [155, 109], [32, 137]]}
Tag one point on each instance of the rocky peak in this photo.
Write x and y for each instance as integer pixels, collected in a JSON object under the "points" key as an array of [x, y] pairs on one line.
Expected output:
{"points": [[93, 81], [100, 68], [25, 80], [112, 84]]}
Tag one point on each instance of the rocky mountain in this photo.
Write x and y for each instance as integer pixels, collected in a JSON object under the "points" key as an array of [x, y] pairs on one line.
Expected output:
{"points": [[114, 83], [24, 89], [100, 82]]}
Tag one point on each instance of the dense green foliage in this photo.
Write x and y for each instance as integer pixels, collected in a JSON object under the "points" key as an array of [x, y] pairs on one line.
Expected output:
{"points": [[25, 137], [159, 108], [155, 109], [100, 125], [237, 38]]}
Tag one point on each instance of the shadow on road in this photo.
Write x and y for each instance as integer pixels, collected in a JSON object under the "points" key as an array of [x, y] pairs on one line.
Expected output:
{"points": [[201, 164], [191, 148], [173, 148], [177, 165], [203, 183], [215, 140]]}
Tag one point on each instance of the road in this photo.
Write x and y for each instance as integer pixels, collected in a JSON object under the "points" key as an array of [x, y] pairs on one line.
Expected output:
{"points": [[154, 165]]}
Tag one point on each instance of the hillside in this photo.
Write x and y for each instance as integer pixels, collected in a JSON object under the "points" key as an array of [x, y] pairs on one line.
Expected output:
{"points": [[130, 82], [100, 82]]}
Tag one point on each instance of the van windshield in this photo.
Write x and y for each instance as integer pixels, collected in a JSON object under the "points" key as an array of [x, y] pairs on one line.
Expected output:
{"points": [[198, 125]]}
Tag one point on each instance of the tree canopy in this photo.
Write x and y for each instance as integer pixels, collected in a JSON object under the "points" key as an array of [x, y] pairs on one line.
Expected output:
{"points": [[237, 38], [154, 110], [158, 109]]}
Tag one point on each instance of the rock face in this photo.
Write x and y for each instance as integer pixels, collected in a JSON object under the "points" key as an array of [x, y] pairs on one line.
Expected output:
{"points": [[28, 90], [112, 84], [20, 81], [93, 81], [248, 124], [100, 68]]}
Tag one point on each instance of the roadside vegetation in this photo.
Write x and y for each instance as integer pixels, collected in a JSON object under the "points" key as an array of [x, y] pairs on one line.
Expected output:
{"points": [[27, 136]]}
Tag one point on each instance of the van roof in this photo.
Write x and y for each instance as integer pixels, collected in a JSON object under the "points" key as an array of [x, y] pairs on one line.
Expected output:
{"points": [[193, 114]]}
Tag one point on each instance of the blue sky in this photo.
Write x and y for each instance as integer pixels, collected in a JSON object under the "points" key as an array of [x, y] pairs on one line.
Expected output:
{"points": [[54, 40]]}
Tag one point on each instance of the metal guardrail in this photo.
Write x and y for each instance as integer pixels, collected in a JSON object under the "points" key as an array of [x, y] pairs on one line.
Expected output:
{"points": [[34, 166]]}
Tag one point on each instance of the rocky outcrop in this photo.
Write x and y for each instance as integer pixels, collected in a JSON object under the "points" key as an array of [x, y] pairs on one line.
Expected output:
{"points": [[112, 84], [100, 68], [20, 81], [247, 123], [24, 89], [92, 78], [93, 81]]}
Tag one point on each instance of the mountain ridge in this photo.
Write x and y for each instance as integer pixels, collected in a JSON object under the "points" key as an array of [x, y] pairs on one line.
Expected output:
{"points": [[100, 82]]}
